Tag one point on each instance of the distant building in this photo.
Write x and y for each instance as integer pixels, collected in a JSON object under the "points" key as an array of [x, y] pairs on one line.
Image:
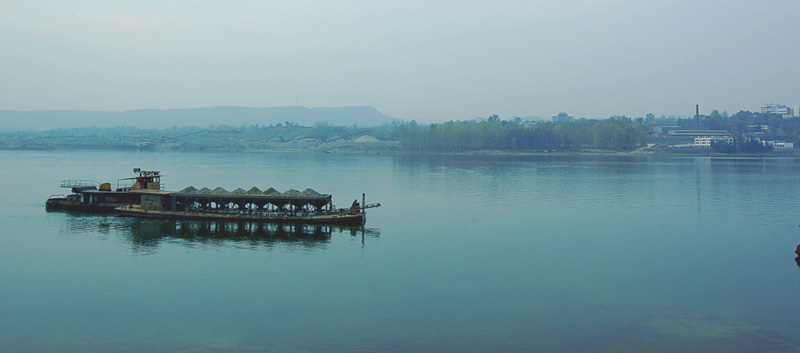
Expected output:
{"points": [[779, 145], [781, 110], [664, 129], [757, 128], [755, 131], [563, 118], [706, 141], [698, 133]]}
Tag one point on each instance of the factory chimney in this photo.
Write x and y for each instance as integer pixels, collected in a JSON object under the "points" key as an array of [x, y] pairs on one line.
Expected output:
{"points": [[697, 115]]}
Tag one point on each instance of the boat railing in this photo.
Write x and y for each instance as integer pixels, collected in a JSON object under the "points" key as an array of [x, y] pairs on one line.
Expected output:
{"points": [[75, 183], [260, 212], [127, 184], [57, 196]]}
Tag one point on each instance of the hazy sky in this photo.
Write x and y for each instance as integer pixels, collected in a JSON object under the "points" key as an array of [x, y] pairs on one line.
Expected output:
{"points": [[426, 60]]}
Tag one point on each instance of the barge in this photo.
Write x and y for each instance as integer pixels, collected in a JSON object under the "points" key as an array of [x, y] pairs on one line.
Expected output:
{"points": [[146, 199], [292, 206]]}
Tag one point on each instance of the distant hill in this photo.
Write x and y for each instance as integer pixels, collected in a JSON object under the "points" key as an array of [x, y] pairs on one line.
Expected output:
{"points": [[365, 116]]}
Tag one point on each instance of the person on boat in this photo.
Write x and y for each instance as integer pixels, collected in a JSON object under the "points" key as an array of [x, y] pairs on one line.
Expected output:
{"points": [[355, 207]]}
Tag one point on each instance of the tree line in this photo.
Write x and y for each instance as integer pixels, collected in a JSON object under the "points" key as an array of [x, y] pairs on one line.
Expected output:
{"points": [[618, 133], [615, 133]]}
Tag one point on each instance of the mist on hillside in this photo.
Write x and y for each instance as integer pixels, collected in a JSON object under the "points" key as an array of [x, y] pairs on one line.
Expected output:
{"points": [[364, 116]]}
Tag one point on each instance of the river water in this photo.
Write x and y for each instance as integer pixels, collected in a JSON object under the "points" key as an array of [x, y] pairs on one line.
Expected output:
{"points": [[469, 253]]}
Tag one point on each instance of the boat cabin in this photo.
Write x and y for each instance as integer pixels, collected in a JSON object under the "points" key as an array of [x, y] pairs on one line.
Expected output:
{"points": [[144, 180]]}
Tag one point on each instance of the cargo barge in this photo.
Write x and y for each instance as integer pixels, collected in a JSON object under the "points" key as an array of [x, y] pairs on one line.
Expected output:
{"points": [[146, 199], [307, 207]]}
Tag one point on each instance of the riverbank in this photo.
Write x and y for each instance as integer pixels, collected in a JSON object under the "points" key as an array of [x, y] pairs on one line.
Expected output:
{"points": [[362, 144]]}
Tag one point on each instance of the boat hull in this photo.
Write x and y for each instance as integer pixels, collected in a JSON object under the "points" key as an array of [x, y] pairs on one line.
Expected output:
{"points": [[334, 219], [58, 204]]}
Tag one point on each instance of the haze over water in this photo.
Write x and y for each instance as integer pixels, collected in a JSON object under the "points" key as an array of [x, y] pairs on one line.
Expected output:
{"points": [[468, 253]]}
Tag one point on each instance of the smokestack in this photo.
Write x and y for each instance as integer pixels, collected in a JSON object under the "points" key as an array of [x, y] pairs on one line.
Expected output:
{"points": [[697, 115]]}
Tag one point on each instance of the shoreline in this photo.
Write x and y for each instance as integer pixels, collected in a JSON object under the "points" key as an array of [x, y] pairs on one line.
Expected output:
{"points": [[394, 151]]}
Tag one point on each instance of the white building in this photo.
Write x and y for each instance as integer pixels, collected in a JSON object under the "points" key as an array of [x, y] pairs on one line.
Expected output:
{"points": [[781, 110], [780, 145], [706, 141]]}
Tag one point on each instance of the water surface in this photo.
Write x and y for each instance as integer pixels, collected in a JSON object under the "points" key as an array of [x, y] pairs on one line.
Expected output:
{"points": [[468, 253]]}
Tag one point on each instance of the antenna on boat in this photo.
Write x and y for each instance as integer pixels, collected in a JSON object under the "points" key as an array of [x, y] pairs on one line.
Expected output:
{"points": [[363, 201]]}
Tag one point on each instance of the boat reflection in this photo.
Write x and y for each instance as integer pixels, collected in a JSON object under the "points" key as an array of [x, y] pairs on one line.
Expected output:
{"points": [[146, 235], [155, 228]]}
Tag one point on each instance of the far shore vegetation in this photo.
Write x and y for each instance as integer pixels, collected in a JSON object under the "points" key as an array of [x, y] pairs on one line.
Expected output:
{"points": [[562, 134]]}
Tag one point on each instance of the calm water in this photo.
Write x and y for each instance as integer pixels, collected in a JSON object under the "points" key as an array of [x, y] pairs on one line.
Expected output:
{"points": [[468, 253]]}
